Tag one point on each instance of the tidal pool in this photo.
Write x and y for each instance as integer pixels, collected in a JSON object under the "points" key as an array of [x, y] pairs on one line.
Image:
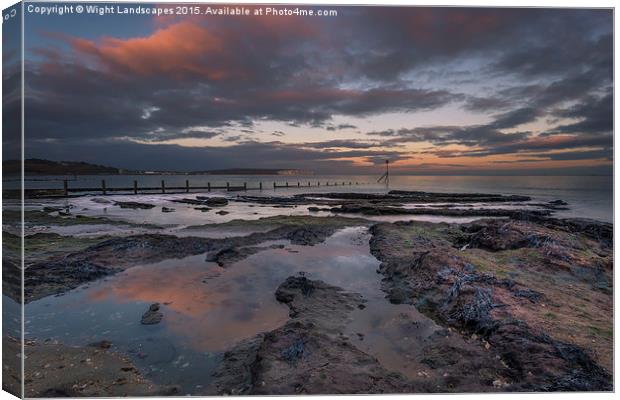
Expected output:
{"points": [[208, 309]]}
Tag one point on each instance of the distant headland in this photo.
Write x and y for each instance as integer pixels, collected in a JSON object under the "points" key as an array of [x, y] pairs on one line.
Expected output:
{"points": [[36, 166]]}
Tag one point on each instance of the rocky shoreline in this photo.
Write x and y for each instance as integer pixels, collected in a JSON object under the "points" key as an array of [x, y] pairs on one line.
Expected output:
{"points": [[524, 300], [424, 203], [58, 274], [309, 354], [491, 279]]}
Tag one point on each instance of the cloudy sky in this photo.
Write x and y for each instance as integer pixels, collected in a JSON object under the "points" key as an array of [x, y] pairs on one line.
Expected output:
{"points": [[435, 90]]}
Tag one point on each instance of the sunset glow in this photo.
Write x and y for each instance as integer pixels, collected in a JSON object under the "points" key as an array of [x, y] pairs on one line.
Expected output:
{"points": [[436, 91]]}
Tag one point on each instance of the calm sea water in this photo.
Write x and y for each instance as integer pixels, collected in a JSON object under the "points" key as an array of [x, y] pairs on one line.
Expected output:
{"points": [[588, 196]]}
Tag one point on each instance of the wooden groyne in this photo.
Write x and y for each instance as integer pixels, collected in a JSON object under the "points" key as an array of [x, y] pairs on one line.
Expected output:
{"points": [[68, 190]]}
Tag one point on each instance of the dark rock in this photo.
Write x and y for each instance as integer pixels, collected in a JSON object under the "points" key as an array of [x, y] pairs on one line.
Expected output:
{"points": [[230, 255], [134, 205], [214, 201], [309, 236], [529, 294], [189, 201], [152, 316], [57, 276], [377, 210], [446, 286], [61, 273], [285, 293], [101, 200], [600, 231], [278, 362], [54, 209], [167, 210], [103, 344], [294, 352], [503, 235], [458, 197]]}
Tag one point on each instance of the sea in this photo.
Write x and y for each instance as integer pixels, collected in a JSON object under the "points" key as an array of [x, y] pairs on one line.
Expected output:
{"points": [[588, 196]]}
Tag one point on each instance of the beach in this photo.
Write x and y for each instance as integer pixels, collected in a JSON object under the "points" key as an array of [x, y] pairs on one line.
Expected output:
{"points": [[361, 289]]}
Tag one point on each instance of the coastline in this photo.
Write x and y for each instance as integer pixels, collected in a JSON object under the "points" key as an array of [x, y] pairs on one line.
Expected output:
{"points": [[479, 283]]}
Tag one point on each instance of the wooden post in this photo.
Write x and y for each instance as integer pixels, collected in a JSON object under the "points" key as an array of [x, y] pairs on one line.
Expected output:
{"points": [[308, 183], [349, 183], [286, 183], [298, 184], [208, 186], [318, 183], [163, 186], [245, 186], [228, 186], [103, 186], [274, 186], [65, 185], [135, 187], [327, 183], [187, 186], [260, 186]]}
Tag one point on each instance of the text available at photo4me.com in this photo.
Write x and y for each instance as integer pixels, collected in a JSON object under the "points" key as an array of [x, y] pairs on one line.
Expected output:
{"points": [[181, 9]]}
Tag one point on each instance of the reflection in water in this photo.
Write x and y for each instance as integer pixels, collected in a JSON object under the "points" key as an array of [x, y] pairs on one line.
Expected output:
{"points": [[204, 305], [207, 309], [588, 196]]}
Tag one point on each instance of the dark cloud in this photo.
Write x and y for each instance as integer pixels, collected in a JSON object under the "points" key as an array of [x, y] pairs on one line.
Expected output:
{"points": [[445, 135], [593, 129], [62, 106], [595, 115], [485, 141], [350, 144], [485, 104], [534, 144], [516, 117], [568, 50], [524, 160], [524, 42], [340, 127], [173, 157], [201, 79], [577, 155], [191, 134]]}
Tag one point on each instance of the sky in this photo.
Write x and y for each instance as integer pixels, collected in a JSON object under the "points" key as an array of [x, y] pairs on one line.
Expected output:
{"points": [[434, 90]]}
